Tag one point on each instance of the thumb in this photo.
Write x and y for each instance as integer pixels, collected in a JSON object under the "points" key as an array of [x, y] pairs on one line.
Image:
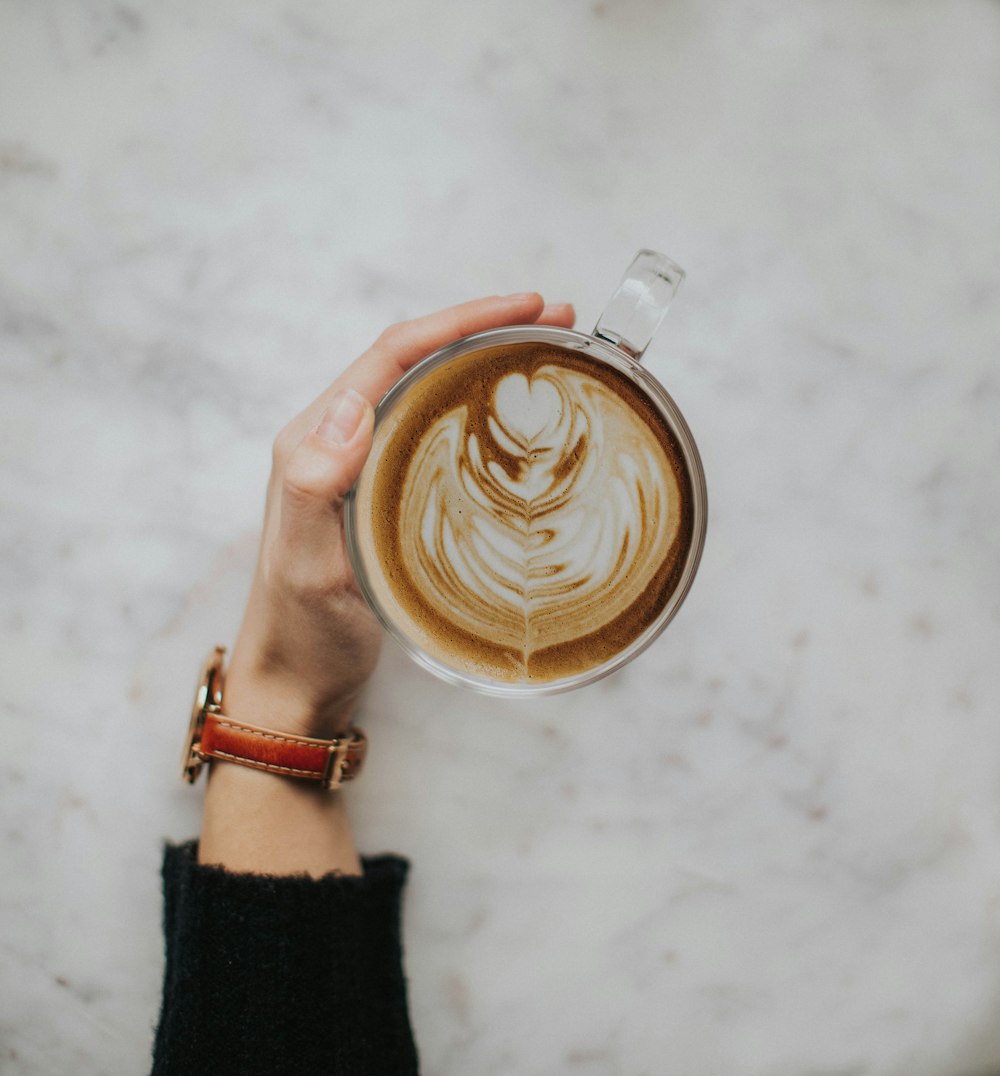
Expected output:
{"points": [[315, 479]]}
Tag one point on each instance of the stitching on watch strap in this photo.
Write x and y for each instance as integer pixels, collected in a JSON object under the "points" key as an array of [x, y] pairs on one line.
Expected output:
{"points": [[272, 767], [299, 741]]}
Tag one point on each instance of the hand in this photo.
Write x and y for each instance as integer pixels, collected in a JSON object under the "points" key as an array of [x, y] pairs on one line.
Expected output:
{"points": [[308, 642]]}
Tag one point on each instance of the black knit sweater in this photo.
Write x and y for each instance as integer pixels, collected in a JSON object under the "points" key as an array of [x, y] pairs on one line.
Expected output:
{"points": [[282, 975]]}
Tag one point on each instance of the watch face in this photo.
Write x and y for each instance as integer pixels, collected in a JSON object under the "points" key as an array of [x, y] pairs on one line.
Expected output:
{"points": [[208, 693]]}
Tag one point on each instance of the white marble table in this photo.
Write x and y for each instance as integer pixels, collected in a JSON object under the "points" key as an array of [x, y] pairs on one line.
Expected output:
{"points": [[788, 864]]}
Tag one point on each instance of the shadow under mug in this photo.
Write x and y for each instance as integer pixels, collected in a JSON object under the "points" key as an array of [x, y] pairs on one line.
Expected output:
{"points": [[619, 339]]}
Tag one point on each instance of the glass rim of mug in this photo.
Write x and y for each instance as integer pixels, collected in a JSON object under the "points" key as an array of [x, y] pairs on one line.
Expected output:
{"points": [[604, 351]]}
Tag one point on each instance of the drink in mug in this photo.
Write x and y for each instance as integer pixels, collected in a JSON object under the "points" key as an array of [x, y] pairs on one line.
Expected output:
{"points": [[533, 509]]}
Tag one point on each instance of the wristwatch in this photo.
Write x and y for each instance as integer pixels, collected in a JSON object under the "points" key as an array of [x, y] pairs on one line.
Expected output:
{"points": [[214, 735]]}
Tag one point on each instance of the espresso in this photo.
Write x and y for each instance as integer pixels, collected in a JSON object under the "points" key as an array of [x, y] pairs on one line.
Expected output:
{"points": [[526, 513]]}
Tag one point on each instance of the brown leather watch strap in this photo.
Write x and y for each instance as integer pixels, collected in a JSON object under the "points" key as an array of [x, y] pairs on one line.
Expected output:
{"points": [[328, 761]]}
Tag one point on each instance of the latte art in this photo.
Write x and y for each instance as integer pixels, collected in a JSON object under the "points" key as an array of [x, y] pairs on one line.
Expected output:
{"points": [[529, 513], [543, 523]]}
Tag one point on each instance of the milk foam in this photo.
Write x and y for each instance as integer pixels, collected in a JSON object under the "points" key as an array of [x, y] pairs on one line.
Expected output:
{"points": [[543, 524]]}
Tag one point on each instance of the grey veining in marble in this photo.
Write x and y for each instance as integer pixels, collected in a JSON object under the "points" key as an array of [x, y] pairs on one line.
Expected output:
{"points": [[771, 845]]}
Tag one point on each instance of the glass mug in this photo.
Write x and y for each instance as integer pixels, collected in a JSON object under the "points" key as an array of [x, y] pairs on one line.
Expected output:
{"points": [[533, 510]]}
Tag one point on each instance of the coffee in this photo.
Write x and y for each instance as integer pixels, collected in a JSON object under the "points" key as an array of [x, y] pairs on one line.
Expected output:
{"points": [[526, 514]]}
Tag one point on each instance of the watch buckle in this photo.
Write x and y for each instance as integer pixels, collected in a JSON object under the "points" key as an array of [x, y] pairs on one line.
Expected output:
{"points": [[336, 762]]}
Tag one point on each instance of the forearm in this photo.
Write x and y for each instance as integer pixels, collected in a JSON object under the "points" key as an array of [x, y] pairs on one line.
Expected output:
{"points": [[258, 823]]}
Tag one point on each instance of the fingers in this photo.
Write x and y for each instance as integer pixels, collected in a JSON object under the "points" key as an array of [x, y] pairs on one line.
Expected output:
{"points": [[314, 480], [405, 344], [560, 314], [402, 346]]}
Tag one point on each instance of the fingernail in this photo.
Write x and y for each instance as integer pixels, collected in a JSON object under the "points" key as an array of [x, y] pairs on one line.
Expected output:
{"points": [[342, 419], [523, 296]]}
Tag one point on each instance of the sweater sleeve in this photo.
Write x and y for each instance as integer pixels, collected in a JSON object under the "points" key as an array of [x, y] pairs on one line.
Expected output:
{"points": [[282, 974]]}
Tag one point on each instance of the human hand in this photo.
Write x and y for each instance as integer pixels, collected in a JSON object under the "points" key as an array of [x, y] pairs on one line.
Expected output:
{"points": [[308, 642]]}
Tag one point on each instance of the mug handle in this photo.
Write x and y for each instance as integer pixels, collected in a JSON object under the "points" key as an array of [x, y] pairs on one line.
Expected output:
{"points": [[638, 307]]}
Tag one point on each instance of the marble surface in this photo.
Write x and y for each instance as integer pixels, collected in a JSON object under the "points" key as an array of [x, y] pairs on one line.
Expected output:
{"points": [[771, 845]]}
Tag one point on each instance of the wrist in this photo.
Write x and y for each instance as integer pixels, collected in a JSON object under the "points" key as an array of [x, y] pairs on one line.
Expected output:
{"points": [[272, 805], [278, 701], [216, 734]]}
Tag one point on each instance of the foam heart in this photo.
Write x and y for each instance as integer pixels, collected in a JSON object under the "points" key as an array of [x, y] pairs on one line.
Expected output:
{"points": [[526, 408]]}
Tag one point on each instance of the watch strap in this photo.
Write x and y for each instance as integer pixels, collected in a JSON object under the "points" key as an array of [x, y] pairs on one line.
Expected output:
{"points": [[330, 762], [213, 734]]}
